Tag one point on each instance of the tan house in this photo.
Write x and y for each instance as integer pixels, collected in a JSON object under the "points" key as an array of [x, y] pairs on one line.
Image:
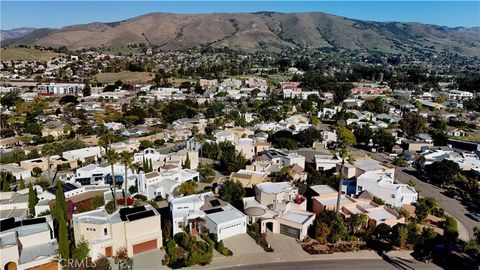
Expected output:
{"points": [[249, 178], [42, 163], [7, 143], [55, 132], [137, 229]]}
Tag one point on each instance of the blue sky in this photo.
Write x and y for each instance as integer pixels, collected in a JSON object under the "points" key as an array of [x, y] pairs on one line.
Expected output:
{"points": [[61, 13]]}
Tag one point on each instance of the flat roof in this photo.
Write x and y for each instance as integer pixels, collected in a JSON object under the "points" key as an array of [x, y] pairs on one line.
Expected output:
{"points": [[323, 189], [269, 187], [229, 213], [380, 214], [333, 201], [297, 217]]}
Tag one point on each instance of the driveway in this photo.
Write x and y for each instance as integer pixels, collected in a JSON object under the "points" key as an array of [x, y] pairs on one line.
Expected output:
{"points": [[147, 261], [286, 247], [242, 245]]}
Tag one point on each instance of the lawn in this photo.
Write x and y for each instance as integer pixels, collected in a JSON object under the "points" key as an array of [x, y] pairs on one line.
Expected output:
{"points": [[27, 54], [125, 77], [472, 137]]}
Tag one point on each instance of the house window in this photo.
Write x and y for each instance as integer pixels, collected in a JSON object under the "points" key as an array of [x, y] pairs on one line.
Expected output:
{"points": [[105, 232], [393, 196], [360, 188]]}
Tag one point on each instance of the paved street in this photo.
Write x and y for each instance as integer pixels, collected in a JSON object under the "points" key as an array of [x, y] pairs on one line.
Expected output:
{"points": [[341, 264], [451, 206]]}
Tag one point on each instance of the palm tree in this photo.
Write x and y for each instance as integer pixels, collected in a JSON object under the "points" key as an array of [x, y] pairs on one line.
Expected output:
{"points": [[112, 157], [126, 159]]}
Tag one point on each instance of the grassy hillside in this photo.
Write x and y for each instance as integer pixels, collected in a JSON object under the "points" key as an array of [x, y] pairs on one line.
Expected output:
{"points": [[27, 54], [125, 77]]}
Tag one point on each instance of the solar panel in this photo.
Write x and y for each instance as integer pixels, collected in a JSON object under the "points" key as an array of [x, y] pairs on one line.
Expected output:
{"points": [[69, 187], [211, 211], [215, 202], [34, 221], [124, 212], [140, 215], [8, 224]]}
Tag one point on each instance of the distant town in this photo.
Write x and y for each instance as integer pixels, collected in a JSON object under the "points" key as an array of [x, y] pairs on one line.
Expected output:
{"points": [[141, 158]]}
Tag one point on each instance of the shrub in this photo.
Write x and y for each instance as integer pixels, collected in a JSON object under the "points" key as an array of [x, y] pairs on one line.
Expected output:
{"points": [[110, 207], [226, 252]]}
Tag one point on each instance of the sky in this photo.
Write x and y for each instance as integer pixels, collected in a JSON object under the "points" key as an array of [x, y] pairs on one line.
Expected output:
{"points": [[56, 14]]}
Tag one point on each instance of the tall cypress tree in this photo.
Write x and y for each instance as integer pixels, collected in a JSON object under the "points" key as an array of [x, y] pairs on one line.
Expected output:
{"points": [[150, 166], [61, 217], [21, 184], [32, 201], [187, 164]]}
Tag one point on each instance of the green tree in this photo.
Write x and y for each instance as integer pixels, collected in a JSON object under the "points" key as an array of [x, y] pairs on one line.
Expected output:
{"points": [[231, 160], [338, 230], [21, 184], [185, 189], [384, 139], [346, 135], [363, 134], [412, 123], [81, 251], [358, 223], [231, 191], [400, 235], [442, 172], [450, 229], [60, 219], [144, 144], [187, 164], [32, 201], [322, 231]]}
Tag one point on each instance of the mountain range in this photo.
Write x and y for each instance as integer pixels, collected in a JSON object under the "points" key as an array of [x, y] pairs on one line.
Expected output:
{"points": [[15, 33], [257, 31]]}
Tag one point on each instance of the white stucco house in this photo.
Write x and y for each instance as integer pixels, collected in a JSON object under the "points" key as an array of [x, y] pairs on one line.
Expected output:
{"points": [[206, 213]]}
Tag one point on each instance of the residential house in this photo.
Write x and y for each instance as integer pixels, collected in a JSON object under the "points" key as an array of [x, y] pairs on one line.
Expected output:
{"points": [[206, 213], [43, 163], [224, 136], [28, 244], [155, 184], [7, 143], [381, 184], [326, 162], [377, 214], [88, 154], [249, 178], [280, 209], [17, 171], [137, 229]]}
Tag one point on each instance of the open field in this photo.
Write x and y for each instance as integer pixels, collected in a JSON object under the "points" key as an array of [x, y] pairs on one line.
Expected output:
{"points": [[27, 54], [125, 77]]}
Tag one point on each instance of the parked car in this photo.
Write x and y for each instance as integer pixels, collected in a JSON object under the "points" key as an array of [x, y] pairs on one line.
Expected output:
{"points": [[474, 216]]}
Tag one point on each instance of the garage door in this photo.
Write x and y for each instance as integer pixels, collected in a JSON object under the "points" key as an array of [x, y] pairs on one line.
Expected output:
{"points": [[290, 231], [145, 246]]}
